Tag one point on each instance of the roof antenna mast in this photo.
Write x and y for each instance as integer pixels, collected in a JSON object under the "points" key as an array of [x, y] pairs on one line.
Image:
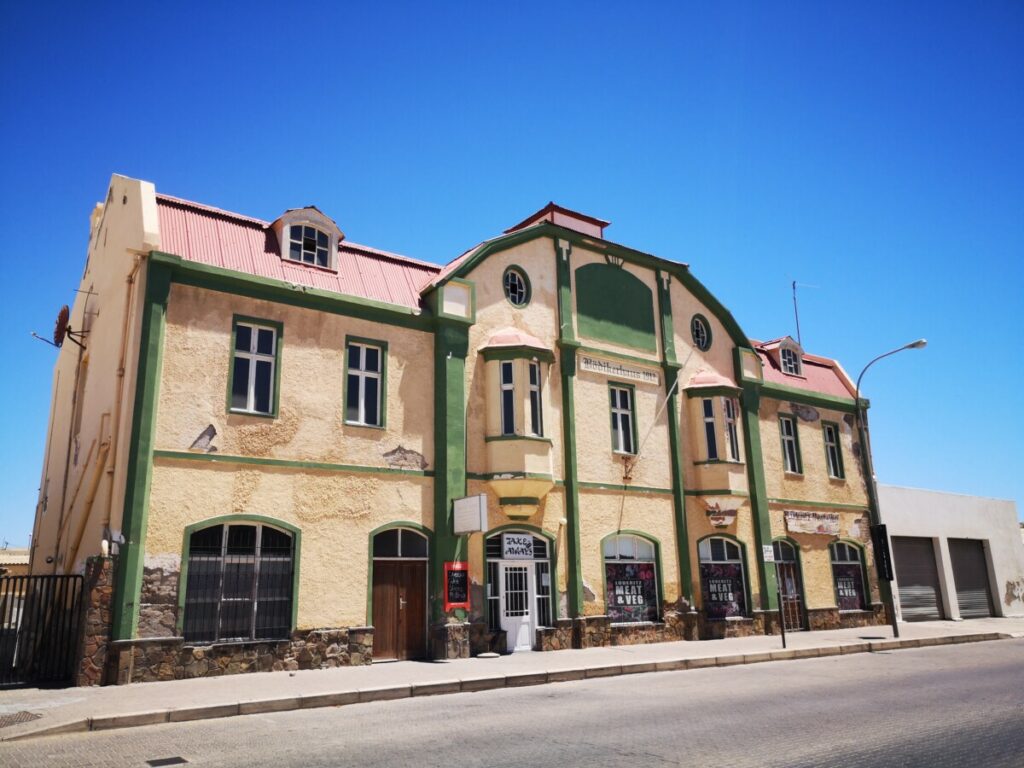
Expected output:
{"points": [[796, 314]]}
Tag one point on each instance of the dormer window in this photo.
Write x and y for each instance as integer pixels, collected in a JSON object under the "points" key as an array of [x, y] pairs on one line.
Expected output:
{"points": [[790, 361], [308, 244]]}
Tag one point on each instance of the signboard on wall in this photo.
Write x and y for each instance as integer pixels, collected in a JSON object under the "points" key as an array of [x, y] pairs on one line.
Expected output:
{"points": [[722, 589], [849, 586], [469, 514], [456, 585], [826, 523], [516, 546], [617, 370], [632, 591]]}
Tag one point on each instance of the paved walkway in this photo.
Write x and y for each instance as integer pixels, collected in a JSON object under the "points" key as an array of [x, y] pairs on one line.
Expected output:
{"points": [[81, 709]]}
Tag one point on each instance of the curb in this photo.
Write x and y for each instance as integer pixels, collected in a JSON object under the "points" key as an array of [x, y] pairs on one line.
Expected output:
{"points": [[473, 684]]}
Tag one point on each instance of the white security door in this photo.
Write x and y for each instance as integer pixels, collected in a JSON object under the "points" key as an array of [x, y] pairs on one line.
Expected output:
{"points": [[517, 600]]}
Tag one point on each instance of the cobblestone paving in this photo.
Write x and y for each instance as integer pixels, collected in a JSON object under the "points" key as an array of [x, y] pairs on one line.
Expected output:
{"points": [[936, 707]]}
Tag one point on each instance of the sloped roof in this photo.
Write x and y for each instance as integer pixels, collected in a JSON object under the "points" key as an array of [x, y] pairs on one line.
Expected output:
{"points": [[821, 375], [513, 337], [220, 238]]}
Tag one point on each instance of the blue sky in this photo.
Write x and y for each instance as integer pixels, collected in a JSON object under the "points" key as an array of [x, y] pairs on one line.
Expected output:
{"points": [[873, 152]]}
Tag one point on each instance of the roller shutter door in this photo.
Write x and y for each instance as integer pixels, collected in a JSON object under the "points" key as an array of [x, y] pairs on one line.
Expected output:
{"points": [[917, 578], [970, 573]]}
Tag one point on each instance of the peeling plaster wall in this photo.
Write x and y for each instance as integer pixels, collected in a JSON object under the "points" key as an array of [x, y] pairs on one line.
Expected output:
{"points": [[310, 425], [335, 512]]}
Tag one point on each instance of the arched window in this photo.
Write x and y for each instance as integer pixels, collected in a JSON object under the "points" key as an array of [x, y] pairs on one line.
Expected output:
{"points": [[630, 578], [722, 578], [239, 584], [401, 543], [848, 574]]}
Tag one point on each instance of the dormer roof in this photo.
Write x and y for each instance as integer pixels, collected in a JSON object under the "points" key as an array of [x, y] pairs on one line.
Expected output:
{"points": [[564, 217]]}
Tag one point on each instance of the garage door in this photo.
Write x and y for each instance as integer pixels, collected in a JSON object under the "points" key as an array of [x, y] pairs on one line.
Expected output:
{"points": [[917, 578], [971, 576]]}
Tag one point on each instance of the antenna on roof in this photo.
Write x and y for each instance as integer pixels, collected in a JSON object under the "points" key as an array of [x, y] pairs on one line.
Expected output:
{"points": [[796, 311]]}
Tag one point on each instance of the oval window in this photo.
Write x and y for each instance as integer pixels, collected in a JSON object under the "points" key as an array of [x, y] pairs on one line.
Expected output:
{"points": [[517, 288], [701, 332]]}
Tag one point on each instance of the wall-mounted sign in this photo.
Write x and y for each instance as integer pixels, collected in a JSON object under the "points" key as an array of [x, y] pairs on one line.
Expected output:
{"points": [[456, 585], [723, 591], [812, 522], [768, 553], [617, 370], [517, 546], [469, 514], [631, 591]]}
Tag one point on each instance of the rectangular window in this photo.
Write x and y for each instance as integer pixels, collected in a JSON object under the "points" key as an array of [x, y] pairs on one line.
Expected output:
{"points": [[710, 438], [253, 368], [790, 446], [833, 453], [364, 384], [790, 361], [623, 436], [536, 414], [508, 399], [731, 408]]}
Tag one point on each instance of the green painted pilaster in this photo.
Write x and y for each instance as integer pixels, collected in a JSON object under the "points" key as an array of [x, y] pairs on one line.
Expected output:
{"points": [[567, 345], [131, 555], [751, 402], [671, 368], [450, 346]]}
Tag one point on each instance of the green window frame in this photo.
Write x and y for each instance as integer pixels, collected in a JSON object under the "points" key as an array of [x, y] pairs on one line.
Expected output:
{"points": [[790, 441], [256, 358], [515, 284], [622, 398], [833, 450], [361, 379], [700, 332]]}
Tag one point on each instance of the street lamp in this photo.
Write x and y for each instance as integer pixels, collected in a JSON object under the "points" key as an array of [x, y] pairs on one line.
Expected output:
{"points": [[874, 513]]}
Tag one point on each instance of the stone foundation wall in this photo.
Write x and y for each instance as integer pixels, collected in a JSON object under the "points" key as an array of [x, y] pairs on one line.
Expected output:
{"points": [[146, 660], [600, 632], [158, 601], [96, 621], [556, 638], [450, 641], [482, 640], [833, 618], [719, 629]]}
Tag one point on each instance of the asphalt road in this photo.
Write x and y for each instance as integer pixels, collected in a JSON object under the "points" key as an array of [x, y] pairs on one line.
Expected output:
{"points": [[945, 706]]}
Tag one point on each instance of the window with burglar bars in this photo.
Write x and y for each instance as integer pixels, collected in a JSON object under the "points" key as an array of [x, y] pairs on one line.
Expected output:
{"points": [[253, 368], [542, 568], [364, 385], [239, 584]]}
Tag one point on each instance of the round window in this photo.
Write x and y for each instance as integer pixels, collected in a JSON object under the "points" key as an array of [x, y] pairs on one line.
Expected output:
{"points": [[701, 332], [517, 287]]}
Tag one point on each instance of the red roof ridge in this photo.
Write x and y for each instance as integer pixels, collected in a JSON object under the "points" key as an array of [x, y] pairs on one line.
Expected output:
{"points": [[390, 255], [553, 206], [163, 198]]}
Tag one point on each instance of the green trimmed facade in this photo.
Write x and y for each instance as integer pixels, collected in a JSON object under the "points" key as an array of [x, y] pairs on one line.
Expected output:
{"points": [[597, 319]]}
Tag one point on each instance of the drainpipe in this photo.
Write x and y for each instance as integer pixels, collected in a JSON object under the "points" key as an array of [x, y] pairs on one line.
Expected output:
{"points": [[90, 497]]}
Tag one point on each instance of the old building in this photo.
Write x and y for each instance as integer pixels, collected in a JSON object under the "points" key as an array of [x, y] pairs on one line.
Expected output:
{"points": [[269, 425]]}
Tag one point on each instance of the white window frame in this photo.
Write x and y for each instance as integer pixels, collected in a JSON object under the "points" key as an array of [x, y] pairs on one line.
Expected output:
{"points": [[707, 406], [253, 356], [731, 409], [536, 399], [507, 390], [699, 333], [302, 245], [791, 463], [621, 436], [790, 361], [833, 450], [362, 375]]}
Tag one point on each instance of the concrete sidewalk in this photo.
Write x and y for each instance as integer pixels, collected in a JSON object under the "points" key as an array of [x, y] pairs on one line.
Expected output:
{"points": [[82, 709]]}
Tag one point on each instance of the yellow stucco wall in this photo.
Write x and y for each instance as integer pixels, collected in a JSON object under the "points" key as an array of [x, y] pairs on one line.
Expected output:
{"points": [[334, 511]]}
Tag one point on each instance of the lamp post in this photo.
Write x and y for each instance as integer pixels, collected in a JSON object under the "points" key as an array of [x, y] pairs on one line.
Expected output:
{"points": [[874, 513]]}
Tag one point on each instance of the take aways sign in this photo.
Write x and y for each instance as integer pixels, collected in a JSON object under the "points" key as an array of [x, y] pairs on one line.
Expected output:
{"points": [[456, 585], [722, 588], [517, 546]]}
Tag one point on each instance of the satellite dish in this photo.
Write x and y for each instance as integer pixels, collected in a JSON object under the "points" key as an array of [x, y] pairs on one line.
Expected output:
{"points": [[60, 329]]}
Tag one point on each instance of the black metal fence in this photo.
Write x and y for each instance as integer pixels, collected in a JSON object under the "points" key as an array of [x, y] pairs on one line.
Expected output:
{"points": [[39, 628]]}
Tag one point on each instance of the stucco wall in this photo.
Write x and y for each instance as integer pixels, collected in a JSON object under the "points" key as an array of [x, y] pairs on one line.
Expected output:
{"points": [[944, 516]]}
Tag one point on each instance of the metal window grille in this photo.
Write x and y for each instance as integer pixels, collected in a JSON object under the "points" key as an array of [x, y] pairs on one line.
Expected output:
{"points": [[239, 584]]}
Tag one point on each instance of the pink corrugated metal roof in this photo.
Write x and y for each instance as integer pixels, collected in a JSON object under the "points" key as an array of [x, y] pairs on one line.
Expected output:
{"points": [[820, 374], [229, 240]]}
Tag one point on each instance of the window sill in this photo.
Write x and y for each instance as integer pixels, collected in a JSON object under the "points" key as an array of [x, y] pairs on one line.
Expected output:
{"points": [[364, 426], [718, 461], [794, 475], [837, 480], [257, 414], [623, 453], [500, 438], [235, 643], [644, 623]]}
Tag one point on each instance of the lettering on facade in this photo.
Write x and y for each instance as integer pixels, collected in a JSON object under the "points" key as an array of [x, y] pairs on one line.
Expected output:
{"points": [[517, 546], [618, 370], [812, 522]]}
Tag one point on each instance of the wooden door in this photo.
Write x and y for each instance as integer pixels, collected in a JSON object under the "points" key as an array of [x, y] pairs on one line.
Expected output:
{"points": [[399, 609]]}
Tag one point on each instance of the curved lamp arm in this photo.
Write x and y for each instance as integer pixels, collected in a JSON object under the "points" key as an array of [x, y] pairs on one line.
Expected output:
{"points": [[919, 344]]}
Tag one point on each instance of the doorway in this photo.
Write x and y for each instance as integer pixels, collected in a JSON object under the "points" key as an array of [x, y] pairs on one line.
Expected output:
{"points": [[399, 594], [517, 620], [519, 586], [790, 588]]}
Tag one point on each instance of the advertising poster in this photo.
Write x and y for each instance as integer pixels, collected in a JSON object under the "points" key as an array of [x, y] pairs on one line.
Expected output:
{"points": [[849, 586], [722, 589], [632, 591]]}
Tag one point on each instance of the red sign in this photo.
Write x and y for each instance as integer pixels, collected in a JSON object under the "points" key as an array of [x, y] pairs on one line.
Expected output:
{"points": [[456, 586]]}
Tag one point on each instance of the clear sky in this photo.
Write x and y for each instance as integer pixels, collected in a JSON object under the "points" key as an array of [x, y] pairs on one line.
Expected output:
{"points": [[873, 152]]}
